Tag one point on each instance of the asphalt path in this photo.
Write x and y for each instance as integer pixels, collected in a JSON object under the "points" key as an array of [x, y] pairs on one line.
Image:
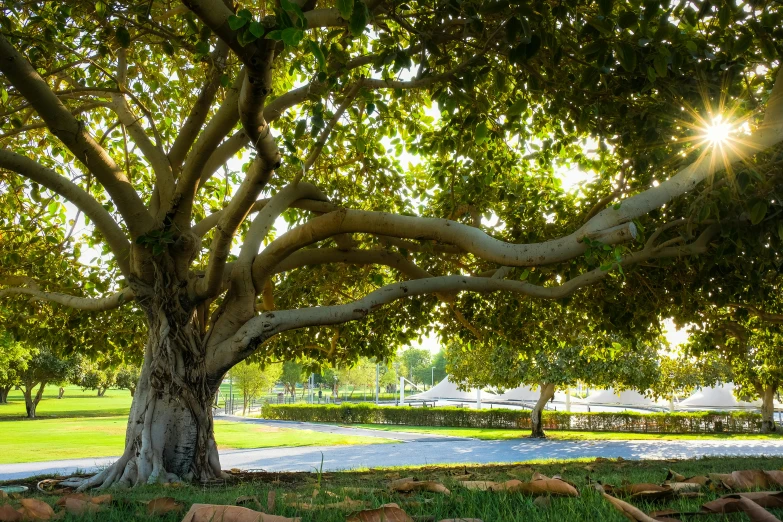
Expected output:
{"points": [[422, 449]]}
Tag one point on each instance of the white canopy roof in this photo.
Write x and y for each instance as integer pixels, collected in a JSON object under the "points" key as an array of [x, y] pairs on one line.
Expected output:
{"points": [[625, 398], [721, 396], [521, 393], [446, 389]]}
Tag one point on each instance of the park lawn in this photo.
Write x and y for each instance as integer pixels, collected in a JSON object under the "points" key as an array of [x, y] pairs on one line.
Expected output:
{"points": [[371, 488], [75, 403], [75, 438], [506, 434]]}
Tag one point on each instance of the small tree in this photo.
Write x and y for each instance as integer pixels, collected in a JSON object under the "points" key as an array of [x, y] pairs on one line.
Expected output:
{"points": [[96, 375], [14, 358], [127, 378], [251, 378], [291, 375], [360, 374], [415, 363], [44, 368]]}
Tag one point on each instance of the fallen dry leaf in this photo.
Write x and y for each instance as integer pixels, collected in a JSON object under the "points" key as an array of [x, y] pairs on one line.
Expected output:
{"points": [[685, 487], [755, 512], [163, 505], [9, 514], [555, 487], [478, 485], [78, 506], [406, 485], [729, 503], [385, 513], [347, 504], [631, 512], [748, 479], [644, 491], [34, 509], [217, 513]]}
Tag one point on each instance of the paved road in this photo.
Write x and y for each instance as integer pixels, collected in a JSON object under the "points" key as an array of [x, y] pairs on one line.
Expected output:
{"points": [[421, 451]]}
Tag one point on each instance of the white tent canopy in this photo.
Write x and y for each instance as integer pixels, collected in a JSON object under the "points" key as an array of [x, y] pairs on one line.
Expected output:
{"points": [[521, 393], [446, 389], [625, 398], [713, 398]]}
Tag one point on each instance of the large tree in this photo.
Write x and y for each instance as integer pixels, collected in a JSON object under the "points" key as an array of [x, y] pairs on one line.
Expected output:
{"points": [[14, 358], [136, 114]]}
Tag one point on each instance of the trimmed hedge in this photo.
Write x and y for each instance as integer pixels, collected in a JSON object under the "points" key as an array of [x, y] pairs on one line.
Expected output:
{"points": [[697, 422]]}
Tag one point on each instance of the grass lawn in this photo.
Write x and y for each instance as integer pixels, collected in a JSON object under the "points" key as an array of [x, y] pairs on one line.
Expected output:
{"points": [[75, 403], [371, 488], [503, 434], [56, 439]]}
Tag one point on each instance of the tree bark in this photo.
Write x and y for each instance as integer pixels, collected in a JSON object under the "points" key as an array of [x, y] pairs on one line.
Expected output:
{"points": [[4, 391], [768, 410], [101, 391], [31, 401], [536, 415]]}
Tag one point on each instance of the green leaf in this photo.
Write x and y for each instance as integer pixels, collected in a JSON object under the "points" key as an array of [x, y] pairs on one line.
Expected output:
{"points": [[605, 6], [627, 19], [4, 95], [100, 7], [518, 107], [482, 133], [277, 34], [359, 18], [626, 55], [660, 63], [123, 36], [292, 36], [346, 8], [316, 51], [236, 22], [256, 29], [757, 212], [244, 13]]}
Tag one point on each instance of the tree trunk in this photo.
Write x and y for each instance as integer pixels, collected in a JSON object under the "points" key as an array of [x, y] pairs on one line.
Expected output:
{"points": [[536, 415], [768, 410], [132, 391], [170, 435], [101, 391], [31, 401], [4, 391]]}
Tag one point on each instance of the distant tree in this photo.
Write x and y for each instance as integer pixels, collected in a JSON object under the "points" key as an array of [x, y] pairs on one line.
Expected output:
{"points": [[360, 374], [252, 379], [45, 368], [96, 375], [14, 357], [681, 374], [127, 378], [291, 375], [439, 363], [415, 363]]}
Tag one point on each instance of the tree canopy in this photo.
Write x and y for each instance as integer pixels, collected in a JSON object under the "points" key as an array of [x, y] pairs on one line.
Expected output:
{"points": [[179, 134]]}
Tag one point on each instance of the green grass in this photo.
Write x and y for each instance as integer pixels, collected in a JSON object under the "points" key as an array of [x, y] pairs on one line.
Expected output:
{"points": [[75, 403], [371, 487], [71, 438], [505, 434]]}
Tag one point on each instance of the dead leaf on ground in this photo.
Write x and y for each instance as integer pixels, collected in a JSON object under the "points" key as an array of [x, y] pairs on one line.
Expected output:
{"points": [[674, 477], [729, 503], [218, 513], [78, 506], [755, 512], [553, 486], [34, 509], [385, 513], [9, 514], [748, 479], [478, 485], [348, 504], [100, 499], [631, 512], [643, 491], [406, 485], [163, 505], [685, 487]]}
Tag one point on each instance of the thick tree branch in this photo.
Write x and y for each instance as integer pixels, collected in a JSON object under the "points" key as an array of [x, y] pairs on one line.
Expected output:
{"points": [[72, 192], [71, 301], [198, 113], [319, 256], [761, 314], [153, 152], [74, 135], [218, 127]]}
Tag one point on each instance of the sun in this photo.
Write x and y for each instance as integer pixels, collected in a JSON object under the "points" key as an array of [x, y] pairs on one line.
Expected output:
{"points": [[718, 132]]}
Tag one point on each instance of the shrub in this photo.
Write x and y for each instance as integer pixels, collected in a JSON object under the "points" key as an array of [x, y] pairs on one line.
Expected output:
{"points": [[696, 422]]}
